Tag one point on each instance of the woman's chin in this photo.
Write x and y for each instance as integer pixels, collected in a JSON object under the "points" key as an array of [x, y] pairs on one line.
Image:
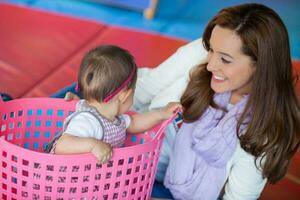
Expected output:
{"points": [[218, 89]]}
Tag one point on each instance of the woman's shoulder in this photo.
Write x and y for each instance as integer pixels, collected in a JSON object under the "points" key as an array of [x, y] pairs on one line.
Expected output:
{"points": [[241, 156]]}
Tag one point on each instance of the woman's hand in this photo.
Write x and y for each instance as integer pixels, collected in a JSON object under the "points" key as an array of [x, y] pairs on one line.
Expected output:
{"points": [[102, 151]]}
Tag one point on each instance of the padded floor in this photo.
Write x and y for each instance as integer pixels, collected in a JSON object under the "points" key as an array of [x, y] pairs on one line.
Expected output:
{"points": [[40, 54], [142, 45]]}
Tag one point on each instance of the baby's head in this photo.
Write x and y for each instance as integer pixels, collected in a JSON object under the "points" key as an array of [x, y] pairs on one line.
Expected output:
{"points": [[105, 72]]}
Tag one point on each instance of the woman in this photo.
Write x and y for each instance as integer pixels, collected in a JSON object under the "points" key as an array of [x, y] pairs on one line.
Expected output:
{"points": [[241, 114]]}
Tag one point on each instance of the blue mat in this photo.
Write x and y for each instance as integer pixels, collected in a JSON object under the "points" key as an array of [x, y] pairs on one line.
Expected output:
{"points": [[185, 19], [5, 97]]}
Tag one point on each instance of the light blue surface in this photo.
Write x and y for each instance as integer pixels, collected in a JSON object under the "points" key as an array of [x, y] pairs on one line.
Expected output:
{"points": [[131, 4], [185, 19]]}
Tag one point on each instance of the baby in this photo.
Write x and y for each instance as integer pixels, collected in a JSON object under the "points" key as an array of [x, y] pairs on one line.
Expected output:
{"points": [[106, 80]]}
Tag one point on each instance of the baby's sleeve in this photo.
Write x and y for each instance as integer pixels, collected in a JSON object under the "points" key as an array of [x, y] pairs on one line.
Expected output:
{"points": [[85, 125], [127, 119]]}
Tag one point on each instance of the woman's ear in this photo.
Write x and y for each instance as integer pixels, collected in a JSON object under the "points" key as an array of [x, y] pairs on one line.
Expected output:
{"points": [[125, 94]]}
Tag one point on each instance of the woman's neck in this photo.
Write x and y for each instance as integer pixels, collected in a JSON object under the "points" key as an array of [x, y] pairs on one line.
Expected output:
{"points": [[235, 98], [108, 110], [237, 95]]}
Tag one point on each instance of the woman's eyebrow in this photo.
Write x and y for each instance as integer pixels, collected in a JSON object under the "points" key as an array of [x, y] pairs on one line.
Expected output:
{"points": [[220, 52], [225, 54]]}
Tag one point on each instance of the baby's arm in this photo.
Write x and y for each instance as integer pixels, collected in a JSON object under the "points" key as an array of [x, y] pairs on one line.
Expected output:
{"points": [[69, 144], [144, 121], [83, 135]]}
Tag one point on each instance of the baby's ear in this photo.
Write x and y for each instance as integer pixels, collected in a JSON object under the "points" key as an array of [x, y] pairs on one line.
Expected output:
{"points": [[125, 94]]}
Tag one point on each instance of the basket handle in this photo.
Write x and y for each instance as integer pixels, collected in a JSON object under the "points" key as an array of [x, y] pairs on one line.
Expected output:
{"points": [[166, 123]]}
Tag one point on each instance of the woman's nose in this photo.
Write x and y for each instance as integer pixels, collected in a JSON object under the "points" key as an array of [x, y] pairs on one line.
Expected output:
{"points": [[211, 63]]}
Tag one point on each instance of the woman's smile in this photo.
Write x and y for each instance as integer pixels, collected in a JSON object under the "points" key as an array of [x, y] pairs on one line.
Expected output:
{"points": [[218, 79]]}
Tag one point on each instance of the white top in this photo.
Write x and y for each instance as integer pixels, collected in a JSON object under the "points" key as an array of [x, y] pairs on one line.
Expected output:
{"points": [[86, 125], [245, 181]]}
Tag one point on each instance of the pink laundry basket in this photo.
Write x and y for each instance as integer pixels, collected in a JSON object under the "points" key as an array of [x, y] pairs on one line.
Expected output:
{"points": [[27, 125]]}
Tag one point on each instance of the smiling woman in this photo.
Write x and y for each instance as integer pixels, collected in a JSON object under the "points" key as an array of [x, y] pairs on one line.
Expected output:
{"points": [[241, 112], [231, 69]]}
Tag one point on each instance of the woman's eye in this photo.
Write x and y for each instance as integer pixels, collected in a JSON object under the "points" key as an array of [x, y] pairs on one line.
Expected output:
{"points": [[225, 61]]}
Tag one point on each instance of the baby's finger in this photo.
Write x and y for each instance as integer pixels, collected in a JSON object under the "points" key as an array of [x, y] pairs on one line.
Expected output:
{"points": [[175, 108], [71, 96], [179, 109], [105, 159], [100, 160], [110, 155], [67, 96]]}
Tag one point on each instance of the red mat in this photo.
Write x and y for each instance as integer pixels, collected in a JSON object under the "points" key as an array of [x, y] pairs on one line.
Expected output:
{"points": [[148, 49], [40, 52]]}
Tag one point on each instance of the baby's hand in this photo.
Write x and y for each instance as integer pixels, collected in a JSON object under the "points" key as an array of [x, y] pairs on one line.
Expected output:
{"points": [[169, 110], [102, 151], [71, 96]]}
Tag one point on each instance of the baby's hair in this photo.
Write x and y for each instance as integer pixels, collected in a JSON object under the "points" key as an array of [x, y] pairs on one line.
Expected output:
{"points": [[103, 70]]}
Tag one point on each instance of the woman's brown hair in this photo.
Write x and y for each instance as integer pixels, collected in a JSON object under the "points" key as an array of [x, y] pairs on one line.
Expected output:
{"points": [[273, 132]]}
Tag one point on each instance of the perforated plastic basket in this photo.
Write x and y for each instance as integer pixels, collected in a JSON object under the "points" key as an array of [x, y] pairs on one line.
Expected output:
{"points": [[27, 125]]}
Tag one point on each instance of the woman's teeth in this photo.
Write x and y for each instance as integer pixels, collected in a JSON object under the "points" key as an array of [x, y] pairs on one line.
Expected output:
{"points": [[220, 78]]}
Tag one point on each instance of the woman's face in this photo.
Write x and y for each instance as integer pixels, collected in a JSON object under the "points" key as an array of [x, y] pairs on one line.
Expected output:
{"points": [[231, 69]]}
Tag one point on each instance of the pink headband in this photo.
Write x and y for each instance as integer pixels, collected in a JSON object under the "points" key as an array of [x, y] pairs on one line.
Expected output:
{"points": [[122, 86], [114, 93]]}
